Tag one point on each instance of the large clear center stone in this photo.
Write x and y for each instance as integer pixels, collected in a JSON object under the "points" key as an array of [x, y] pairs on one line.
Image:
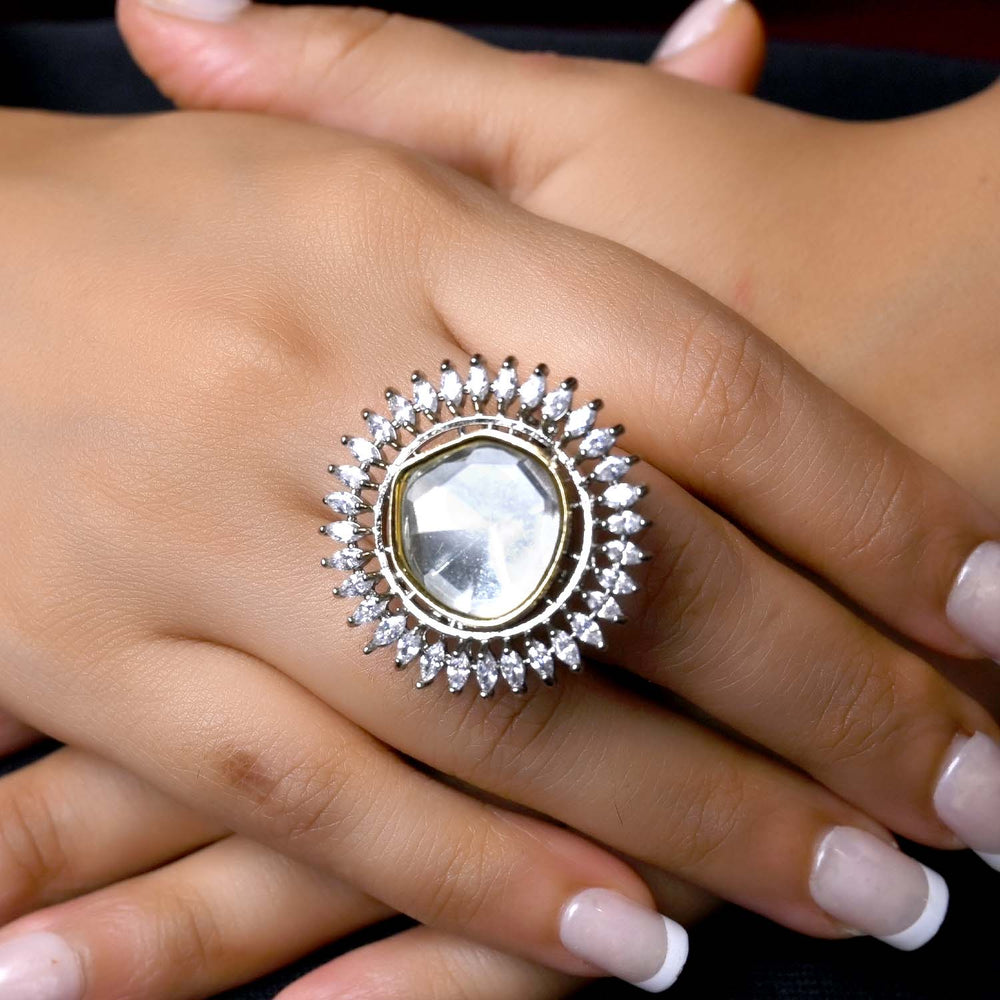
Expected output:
{"points": [[480, 526]]}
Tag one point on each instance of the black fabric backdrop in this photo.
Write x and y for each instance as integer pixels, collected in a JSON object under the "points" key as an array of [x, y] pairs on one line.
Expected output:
{"points": [[734, 956]]}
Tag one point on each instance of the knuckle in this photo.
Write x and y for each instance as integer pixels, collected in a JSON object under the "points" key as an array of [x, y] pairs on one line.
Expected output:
{"points": [[882, 518], [167, 932], [704, 815], [294, 799], [328, 40], [467, 879], [695, 585], [187, 935], [734, 393], [33, 845], [858, 714]]}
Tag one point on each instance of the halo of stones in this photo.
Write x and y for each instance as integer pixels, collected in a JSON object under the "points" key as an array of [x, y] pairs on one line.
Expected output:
{"points": [[584, 594]]}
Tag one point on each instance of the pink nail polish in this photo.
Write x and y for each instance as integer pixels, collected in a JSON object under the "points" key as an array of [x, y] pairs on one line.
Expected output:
{"points": [[692, 27], [870, 886], [624, 939], [200, 10], [974, 603], [967, 797], [39, 966]]}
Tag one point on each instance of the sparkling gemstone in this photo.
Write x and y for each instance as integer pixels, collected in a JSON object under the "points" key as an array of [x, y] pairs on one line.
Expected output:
{"points": [[478, 383], [606, 607], [627, 553], [586, 629], [344, 531], [540, 659], [402, 410], [369, 610], [487, 672], [351, 557], [480, 527], [459, 666], [621, 495], [628, 522], [389, 630], [431, 662], [611, 468], [557, 403], [597, 443], [364, 451], [355, 585], [616, 580], [350, 475], [564, 646], [381, 430], [425, 396], [451, 386], [532, 391], [345, 503], [580, 421], [409, 645], [505, 385], [512, 668]]}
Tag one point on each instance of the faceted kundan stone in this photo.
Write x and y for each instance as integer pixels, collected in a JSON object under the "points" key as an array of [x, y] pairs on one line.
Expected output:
{"points": [[480, 526]]}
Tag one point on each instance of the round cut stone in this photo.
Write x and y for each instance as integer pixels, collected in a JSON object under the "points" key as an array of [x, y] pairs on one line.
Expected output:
{"points": [[480, 526]]}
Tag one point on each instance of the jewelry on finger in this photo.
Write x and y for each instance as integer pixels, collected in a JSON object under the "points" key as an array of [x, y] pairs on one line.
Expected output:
{"points": [[486, 527]]}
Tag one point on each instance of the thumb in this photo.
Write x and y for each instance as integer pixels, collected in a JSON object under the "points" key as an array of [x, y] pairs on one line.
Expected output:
{"points": [[498, 115], [716, 42]]}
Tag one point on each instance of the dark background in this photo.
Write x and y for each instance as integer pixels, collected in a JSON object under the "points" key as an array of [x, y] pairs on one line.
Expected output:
{"points": [[965, 28]]}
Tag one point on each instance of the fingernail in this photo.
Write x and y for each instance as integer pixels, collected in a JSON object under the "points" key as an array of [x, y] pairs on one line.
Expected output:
{"points": [[200, 10], [967, 797], [39, 966], [693, 26], [624, 939], [974, 602], [870, 886]]}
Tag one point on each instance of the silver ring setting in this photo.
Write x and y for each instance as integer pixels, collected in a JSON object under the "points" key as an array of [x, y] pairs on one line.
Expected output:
{"points": [[486, 528]]}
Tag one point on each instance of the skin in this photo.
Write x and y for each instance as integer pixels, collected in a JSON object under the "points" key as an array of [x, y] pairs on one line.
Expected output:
{"points": [[777, 581]]}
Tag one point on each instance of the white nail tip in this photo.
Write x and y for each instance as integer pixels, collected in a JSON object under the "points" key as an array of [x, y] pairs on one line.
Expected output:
{"points": [[624, 938], [673, 964], [200, 10], [929, 922], [993, 860]]}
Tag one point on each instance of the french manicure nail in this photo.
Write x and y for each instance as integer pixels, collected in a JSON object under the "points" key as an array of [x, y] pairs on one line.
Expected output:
{"points": [[624, 939], [974, 603], [39, 966], [200, 10], [870, 886], [693, 26], [967, 797]]}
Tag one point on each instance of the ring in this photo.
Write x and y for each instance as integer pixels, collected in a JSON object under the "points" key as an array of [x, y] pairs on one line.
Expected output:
{"points": [[500, 521]]}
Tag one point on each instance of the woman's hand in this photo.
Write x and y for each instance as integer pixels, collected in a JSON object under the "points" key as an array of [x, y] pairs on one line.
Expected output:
{"points": [[137, 897], [258, 268], [865, 249]]}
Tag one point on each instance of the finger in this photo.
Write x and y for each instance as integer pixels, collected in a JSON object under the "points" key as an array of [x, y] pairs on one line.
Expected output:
{"points": [[613, 764], [716, 42], [427, 963], [747, 428], [275, 764], [727, 414], [515, 117], [220, 917], [15, 735], [72, 822]]}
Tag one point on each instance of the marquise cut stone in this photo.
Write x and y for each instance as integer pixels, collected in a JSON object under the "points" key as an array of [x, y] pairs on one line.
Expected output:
{"points": [[480, 526]]}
